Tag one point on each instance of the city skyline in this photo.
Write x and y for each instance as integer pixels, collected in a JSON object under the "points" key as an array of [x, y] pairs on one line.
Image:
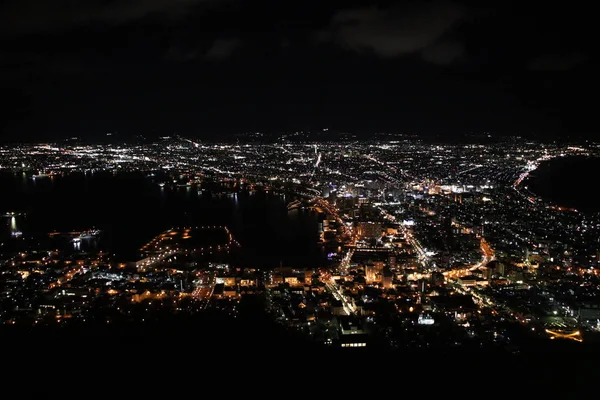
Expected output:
{"points": [[452, 254], [398, 192]]}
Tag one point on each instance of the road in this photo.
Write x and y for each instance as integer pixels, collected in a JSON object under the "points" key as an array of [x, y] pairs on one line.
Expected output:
{"points": [[156, 259], [424, 259], [205, 291], [345, 263], [332, 211], [66, 277], [348, 307], [488, 254]]}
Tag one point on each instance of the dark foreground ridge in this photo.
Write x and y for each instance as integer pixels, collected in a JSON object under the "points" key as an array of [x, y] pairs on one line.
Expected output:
{"points": [[261, 348]]}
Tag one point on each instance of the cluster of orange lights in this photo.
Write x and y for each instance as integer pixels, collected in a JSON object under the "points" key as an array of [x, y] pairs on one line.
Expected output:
{"points": [[186, 233], [576, 335]]}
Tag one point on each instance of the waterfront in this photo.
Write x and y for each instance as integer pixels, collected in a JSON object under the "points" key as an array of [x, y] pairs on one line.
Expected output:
{"points": [[131, 208], [566, 181], [435, 248]]}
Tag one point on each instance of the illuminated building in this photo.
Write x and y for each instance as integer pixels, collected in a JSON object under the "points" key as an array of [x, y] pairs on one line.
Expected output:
{"points": [[352, 335], [369, 230], [425, 319], [226, 280], [230, 291], [308, 277], [373, 271], [292, 280], [350, 326], [469, 280], [589, 311], [387, 280]]}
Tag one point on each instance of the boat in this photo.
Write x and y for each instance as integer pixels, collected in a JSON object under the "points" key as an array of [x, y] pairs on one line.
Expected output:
{"points": [[90, 234]]}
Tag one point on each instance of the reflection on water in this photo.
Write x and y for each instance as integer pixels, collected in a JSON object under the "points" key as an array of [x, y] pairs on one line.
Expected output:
{"points": [[131, 209]]}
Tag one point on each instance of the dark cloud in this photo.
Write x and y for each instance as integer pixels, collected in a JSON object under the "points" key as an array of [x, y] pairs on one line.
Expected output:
{"points": [[444, 52], [396, 30], [223, 48], [556, 62], [181, 54], [18, 65], [98, 56], [33, 16]]}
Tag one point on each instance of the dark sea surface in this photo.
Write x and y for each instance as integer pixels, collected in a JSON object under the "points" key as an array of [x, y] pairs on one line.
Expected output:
{"points": [[569, 182], [131, 209]]}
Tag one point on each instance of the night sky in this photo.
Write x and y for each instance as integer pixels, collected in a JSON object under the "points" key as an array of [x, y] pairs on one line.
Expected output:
{"points": [[213, 67]]}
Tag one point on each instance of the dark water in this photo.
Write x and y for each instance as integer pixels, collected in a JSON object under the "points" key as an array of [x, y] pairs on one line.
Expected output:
{"points": [[131, 209], [569, 182]]}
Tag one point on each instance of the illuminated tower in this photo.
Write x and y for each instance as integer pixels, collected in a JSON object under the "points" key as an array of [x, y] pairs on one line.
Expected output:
{"points": [[13, 225], [14, 230]]}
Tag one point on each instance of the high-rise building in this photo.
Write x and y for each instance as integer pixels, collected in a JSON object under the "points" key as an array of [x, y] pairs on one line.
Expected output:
{"points": [[373, 272], [308, 274], [369, 230], [388, 278]]}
